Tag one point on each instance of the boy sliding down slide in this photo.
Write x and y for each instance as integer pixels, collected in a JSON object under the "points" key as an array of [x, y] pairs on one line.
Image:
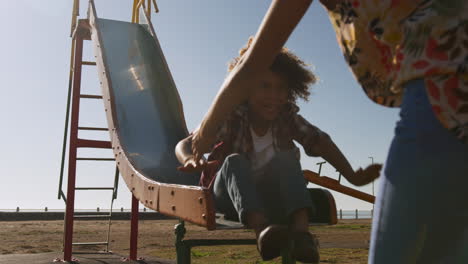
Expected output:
{"points": [[259, 178]]}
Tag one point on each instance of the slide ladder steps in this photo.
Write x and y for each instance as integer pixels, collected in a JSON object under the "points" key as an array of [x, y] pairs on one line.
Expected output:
{"points": [[94, 128], [72, 112], [96, 159], [91, 243], [90, 63], [90, 96], [94, 188]]}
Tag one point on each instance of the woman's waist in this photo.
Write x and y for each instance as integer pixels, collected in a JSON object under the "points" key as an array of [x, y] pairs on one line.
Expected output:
{"points": [[416, 111]]}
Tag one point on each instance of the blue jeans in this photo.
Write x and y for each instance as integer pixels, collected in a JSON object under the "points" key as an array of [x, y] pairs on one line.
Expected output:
{"points": [[421, 212], [279, 193]]}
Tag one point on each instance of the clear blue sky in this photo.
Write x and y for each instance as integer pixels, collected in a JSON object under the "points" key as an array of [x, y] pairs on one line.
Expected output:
{"points": [[198, 38]]}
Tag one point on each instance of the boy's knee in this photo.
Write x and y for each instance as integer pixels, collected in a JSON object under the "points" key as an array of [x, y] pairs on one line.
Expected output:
{"points": [[285, 158], [236, 159], [235, 164]]}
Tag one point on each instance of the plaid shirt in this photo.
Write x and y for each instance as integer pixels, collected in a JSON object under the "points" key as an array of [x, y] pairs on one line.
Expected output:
{"points": [[234, 136]]}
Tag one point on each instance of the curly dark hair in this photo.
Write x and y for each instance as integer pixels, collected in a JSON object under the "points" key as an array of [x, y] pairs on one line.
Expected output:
{"points": [[296, 72]]}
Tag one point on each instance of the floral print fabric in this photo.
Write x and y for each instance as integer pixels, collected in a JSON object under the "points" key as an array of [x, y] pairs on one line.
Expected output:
{"points": [[389, 42]]}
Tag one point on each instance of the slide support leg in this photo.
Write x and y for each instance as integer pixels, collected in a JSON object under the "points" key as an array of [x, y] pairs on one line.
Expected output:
{"points": [[182, 249]]}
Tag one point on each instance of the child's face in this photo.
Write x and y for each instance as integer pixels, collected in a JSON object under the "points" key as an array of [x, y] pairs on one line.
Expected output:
{"points": [[267, 100]]}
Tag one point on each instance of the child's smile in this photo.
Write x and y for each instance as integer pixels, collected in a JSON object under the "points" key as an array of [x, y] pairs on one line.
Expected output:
{"points": [[271, 110], [267, 100]]}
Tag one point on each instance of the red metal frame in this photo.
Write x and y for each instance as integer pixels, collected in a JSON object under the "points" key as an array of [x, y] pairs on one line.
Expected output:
{"points": [[70, 208], [134, 229], [82, 33]]}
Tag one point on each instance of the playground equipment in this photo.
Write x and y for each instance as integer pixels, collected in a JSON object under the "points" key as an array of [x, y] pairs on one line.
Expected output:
{"points": [[145, 121]]}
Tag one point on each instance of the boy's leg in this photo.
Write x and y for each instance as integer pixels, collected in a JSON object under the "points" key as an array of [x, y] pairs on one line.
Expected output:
{"points": [[235, 192], [284, 185], [283, 189]]}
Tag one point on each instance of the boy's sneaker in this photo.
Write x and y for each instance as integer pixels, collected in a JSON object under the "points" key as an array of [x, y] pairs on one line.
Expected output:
{"points": [[306, 247], [271, 240]]}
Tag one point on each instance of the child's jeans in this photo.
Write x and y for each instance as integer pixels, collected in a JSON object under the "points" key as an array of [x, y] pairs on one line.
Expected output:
{"points": [[280, 192], [421, 212]]}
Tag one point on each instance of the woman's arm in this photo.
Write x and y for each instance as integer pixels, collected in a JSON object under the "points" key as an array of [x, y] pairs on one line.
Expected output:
{"points": [[279, 22], [330, 4], [183, 152], [183, 149]]}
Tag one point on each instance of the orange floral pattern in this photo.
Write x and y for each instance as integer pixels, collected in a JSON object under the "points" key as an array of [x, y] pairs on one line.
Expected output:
{"points": [[389, 42]]}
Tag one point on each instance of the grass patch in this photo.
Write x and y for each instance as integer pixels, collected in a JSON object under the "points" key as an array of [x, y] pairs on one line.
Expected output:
{"points": [[36, 233], [344, 243], [26, 246], [249, 255], [200, 253], [344, 255], [354, 227]]}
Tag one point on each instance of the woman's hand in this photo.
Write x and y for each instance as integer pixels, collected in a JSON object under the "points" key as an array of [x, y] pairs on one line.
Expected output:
{"points": [[191, 165], [362, 177], [197, 146]]}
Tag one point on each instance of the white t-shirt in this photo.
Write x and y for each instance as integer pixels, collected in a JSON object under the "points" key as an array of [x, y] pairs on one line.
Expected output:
{"points": [[263, 151]]}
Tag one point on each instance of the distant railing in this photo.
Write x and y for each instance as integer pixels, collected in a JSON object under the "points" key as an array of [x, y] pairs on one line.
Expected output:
{"points": [[355, 214], [342, 214], [46, 209]]}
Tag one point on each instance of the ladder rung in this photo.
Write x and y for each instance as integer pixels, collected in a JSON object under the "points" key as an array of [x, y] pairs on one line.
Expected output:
{"points": [[89, 243], [93, 128], [86, 143], [91, 216], [92, 63], [93, 188], [96, 159], [90, 96]]}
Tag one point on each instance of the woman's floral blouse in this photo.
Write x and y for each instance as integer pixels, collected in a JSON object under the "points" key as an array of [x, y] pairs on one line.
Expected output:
{"points": [[389, 42]]}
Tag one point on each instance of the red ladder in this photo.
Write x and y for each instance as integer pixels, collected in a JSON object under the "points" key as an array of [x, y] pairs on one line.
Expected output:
{"points": [[80, 34]]}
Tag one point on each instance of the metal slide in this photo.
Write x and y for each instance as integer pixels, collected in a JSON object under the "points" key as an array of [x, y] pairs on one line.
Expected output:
{"points": [[145, 118]]}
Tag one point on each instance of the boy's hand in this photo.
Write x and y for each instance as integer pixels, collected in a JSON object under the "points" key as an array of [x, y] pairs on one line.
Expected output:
{"points": [[362, 177]]}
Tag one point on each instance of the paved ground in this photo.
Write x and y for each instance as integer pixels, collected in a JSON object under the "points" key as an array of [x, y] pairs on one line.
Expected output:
{"points": [[48, 258]]}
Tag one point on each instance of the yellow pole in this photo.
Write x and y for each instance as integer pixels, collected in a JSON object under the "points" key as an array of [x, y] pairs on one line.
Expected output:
{"points": [[137, 11], [149, 10], [135, 3], [156, 9]]}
